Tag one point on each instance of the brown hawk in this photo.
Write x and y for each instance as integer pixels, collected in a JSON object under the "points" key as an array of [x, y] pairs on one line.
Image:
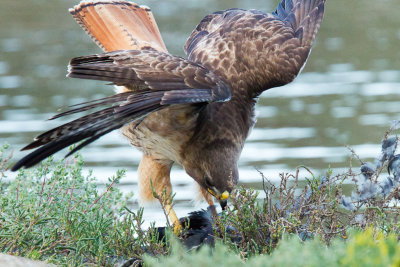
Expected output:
{"points": [[196, 112]]}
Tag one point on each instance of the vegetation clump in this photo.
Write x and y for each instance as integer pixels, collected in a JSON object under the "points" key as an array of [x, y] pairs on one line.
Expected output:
{"points": [[363, 248], [326, 208], [55, 213]]}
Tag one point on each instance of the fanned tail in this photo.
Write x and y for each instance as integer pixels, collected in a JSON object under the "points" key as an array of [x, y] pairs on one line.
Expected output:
{"points": [[118, 25]]}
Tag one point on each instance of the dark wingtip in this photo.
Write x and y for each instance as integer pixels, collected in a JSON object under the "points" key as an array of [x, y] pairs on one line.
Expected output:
{"points": [[30, 146], [21, 163], [27, 161], [16, 167]]}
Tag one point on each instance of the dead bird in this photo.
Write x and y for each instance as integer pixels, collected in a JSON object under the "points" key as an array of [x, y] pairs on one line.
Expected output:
{"points": [[201, 228]]}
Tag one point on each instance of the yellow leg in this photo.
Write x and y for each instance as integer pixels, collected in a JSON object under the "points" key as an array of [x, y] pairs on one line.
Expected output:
{"points": [[174, 219], [157, 173]]}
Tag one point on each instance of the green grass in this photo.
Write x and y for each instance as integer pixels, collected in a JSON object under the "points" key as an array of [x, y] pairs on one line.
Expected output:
{"points": [[366, 248], [54, 213]]}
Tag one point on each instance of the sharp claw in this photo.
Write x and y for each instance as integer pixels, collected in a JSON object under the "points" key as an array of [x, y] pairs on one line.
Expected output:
{"points": [[174, 219], [177, 228]]}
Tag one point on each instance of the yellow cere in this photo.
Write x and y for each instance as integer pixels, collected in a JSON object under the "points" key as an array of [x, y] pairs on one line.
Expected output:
{"points": [[225, 195]]}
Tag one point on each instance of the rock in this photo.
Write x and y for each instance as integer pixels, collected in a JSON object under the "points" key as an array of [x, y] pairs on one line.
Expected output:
{"points": [[14, 261]]}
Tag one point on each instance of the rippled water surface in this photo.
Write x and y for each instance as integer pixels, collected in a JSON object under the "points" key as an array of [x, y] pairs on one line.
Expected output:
{"points": [[347, 94]]}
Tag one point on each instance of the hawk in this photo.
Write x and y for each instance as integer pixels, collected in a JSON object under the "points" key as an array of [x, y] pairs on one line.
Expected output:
{"points": [[196, 112]]}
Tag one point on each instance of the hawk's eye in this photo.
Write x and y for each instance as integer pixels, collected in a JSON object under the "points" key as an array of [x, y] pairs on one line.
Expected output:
{"points": [[208, 182]]}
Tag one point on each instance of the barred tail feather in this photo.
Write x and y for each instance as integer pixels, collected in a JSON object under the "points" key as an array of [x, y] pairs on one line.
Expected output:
{"points": [[118, 25]]}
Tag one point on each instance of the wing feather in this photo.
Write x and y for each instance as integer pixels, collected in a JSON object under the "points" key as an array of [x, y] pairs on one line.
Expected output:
{"points": [[253, 50], [148, 69]]}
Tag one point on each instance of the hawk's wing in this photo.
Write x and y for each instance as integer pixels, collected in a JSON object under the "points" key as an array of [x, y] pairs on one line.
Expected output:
{"points": [[155, 79], [255, 49]]}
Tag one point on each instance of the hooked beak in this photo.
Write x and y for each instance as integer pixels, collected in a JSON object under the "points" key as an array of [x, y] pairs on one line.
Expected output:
{"points": [[223, 198], [223, 204]]}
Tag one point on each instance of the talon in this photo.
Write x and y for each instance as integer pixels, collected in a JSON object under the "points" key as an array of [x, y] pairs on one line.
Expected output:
{"points": [[174, 219], [177, 228]]}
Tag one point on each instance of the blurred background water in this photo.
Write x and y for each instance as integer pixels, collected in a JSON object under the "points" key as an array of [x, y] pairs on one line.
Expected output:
{"points": [[347, 94]]}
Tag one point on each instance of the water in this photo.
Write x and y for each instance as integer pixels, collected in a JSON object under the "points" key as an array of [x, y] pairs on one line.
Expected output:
{"points": [[347, 94]]}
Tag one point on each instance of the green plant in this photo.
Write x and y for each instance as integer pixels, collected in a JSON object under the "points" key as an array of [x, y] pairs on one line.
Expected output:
{"points": [[363, 249], [55, 213]]}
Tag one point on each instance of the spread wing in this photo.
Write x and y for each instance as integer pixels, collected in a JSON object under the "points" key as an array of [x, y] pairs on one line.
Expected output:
{"points": [[257, 50], [155, 79]]}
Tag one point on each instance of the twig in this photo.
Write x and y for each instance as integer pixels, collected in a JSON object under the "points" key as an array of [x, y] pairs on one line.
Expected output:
{"points": [[108, 188]]}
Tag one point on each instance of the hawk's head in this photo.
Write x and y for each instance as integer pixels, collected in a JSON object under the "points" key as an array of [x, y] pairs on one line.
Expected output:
{"points": [[217, 176], [220, 183]]}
